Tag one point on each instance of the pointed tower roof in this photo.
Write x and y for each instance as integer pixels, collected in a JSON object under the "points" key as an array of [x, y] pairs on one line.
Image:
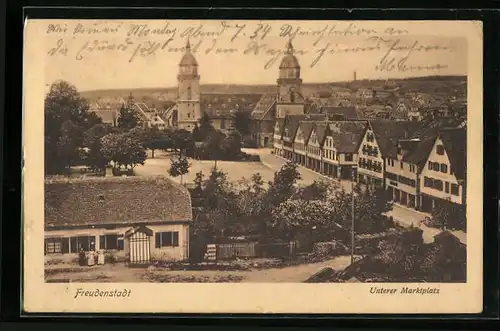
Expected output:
{"points": [[289, 61], [188, 58]]}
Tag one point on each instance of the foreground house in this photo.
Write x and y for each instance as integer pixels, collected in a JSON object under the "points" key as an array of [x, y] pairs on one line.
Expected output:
{"points": [[138, 217]]}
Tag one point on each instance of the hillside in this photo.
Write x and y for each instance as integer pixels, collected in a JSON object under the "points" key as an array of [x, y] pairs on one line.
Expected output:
{"points": [[432, 84]]}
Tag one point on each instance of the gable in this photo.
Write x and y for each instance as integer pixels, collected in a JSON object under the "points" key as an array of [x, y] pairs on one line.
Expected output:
{"points": [[313, 138], [299, 136]]}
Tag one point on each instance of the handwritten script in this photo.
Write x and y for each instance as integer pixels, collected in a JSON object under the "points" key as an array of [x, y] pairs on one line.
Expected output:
{"points": [[393, 49]]}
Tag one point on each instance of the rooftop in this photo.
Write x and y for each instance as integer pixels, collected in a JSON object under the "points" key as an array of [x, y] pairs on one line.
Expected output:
{"points": [[114, 200]]}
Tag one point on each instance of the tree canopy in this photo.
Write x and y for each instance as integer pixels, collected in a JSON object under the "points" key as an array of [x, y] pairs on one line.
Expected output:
{"points": [[67, 117]]}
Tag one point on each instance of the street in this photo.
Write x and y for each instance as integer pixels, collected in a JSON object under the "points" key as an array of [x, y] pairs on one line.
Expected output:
{"points": [[120, 273]]}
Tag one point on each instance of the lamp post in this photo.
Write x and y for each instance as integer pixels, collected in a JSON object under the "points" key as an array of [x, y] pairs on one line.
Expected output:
{"points": [[352, 216]]}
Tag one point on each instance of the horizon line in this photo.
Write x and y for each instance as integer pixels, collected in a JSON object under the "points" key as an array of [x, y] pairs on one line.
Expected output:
{"points": [[264, 84]]}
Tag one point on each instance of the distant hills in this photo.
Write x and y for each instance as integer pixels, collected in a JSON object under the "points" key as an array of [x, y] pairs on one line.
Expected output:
{"points": [[423, 84]]}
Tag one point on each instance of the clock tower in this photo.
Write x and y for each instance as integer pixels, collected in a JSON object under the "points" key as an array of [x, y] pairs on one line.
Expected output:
{"points": [[289, 99], [188, 91]]}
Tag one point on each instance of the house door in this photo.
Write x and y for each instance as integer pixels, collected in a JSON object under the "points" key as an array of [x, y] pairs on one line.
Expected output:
{"points": [[266, 141], [139, 245]]}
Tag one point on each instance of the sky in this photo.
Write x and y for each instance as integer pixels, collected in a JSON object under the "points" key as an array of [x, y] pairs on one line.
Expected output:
{"points": [[139, 54]]}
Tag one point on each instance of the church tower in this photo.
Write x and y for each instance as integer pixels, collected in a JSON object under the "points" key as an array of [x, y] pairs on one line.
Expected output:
{"points": [[290, 100], [188, 91]]}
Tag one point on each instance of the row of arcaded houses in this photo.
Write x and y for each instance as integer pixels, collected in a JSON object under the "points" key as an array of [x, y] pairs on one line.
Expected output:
{"points": [[417, 165]]}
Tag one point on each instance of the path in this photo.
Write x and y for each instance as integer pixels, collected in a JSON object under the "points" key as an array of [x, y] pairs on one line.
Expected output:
{"points": [[121, 273]]}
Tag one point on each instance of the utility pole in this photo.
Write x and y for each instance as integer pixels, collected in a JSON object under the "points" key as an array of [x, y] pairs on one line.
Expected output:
{"points": [[352, 217]]}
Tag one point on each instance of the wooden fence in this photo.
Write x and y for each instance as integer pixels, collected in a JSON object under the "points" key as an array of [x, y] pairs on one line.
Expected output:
{"points": [[251, 249]]}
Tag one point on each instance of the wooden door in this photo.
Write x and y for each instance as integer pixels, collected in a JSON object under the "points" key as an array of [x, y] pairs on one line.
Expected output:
{"points": [[139, 248]]}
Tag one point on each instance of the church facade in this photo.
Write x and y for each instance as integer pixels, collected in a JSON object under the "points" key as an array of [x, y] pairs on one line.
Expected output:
{"points": [[288, 100], [188, 91]]}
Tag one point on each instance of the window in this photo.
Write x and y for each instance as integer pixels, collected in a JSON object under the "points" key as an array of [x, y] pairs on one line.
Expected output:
{"points": [[447, 187], [444, 168], [369, 137], [84, 242], [166, 239], [56, 245], [440, 149], [438, 184], [111, 241], [454, 189], [427, 182], [348, 157], [435, 166], [401, 164], [430, 165], [392, 163]]}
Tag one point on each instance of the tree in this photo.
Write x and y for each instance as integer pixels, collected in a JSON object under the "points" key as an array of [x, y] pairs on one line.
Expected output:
{"points": [[219, 201], [231, 147], [213, 147], [296, 217], [283, 185], [155, 138], [370, 206], [198, 184], [124, 149], [448, 215], [67, 117], [316, 191], [196, 134], [242, 122], [181, 141], [128, 117], [179, 167], [95, 158], [206, 127]]}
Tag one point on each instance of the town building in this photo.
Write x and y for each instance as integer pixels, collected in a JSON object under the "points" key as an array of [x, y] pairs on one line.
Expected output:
{"points": [[444, 174], [403, 168], [188, 93], [379, 139], [186, 112], [263, 121], [112, 214], [107, 113], [340, 145], [288, 100], [278, 136], [290, 129], [300, 147]]}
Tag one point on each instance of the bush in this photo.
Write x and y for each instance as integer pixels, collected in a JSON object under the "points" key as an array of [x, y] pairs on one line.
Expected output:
{"points": [[329, 249]]}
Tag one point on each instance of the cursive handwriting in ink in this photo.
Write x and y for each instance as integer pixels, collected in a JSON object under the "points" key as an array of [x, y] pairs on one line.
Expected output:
{"points": [[261, 31], [219, 50], [143, 30], [57, 28], [96, 28], [61, 48], [391, 61], [102, 45]]}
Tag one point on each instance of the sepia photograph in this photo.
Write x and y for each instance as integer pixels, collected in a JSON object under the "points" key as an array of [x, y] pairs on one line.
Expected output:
{"points": [[264, 152]]}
